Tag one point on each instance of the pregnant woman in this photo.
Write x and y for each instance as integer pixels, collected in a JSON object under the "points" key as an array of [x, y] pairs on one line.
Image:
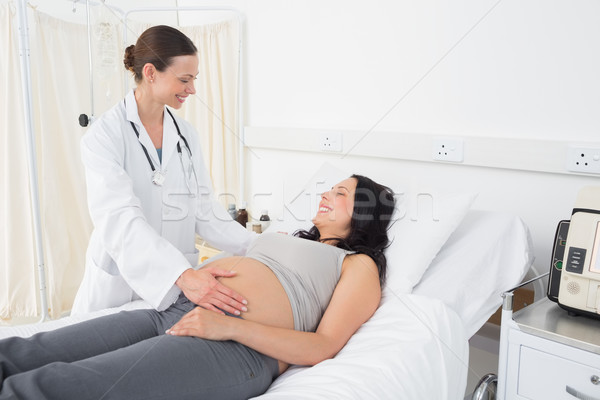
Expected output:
{"points": [[307, 295]]}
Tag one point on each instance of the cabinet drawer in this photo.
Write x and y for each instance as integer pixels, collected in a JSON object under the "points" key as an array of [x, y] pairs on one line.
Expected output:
{"points": [[547, 376]]}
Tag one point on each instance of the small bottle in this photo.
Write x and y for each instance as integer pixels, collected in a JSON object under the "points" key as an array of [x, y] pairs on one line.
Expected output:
{"points": [[264, 215], [264, 220], [232, 211], [242, 216]]}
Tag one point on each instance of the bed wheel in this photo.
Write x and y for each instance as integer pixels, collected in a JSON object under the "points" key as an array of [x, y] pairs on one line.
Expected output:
{"points": [[486, 388]]}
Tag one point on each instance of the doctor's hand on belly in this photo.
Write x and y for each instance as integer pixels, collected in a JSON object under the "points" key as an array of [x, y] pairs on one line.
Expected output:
{"points": [[202, 288]]}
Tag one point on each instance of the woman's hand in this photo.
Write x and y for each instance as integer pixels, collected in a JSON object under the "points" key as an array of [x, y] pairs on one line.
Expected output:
{"points": [[203, 324], [202, 288]]}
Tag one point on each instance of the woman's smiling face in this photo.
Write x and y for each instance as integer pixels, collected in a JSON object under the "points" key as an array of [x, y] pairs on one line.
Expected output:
{"points": [[335, 210]]}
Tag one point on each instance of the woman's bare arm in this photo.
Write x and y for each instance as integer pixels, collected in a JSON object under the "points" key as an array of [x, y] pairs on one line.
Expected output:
{"points": [[355, 299]]}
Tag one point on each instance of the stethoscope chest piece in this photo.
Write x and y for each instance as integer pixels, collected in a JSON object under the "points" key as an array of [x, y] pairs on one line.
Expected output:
{"points": [[158, 178]]}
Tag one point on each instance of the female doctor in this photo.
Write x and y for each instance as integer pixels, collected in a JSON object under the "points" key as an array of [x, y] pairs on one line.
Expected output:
{"points": [[149, 192]]}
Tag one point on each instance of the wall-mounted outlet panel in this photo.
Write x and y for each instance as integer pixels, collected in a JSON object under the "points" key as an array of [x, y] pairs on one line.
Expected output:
{"points": [[583, 159], [447, 149], [331, 141]]}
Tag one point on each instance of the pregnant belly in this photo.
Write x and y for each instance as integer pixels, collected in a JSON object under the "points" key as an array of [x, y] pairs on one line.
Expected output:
{"points": [[267, 301]]}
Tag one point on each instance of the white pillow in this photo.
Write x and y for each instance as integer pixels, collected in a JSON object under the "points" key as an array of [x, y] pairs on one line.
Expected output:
{"points": [[488, 254], [419, 229]]}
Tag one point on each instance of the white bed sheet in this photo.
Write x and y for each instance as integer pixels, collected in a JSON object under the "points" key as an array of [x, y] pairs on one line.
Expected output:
{"points": [[416, 345]]}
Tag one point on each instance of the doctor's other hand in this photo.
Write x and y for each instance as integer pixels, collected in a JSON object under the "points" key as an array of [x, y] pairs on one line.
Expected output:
{"points": [[202, 288]]}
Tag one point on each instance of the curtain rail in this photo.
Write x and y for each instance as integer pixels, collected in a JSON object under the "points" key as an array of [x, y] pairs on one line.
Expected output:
{"points": [[24, 52]]}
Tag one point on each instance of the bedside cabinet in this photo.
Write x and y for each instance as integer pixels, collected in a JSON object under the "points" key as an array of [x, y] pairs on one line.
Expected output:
{"points": [[547, 354]]}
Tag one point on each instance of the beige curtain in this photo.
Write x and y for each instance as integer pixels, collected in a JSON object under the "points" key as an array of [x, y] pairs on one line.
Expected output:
{"points": [[60, 93], [214, 110], [58, 51], [60, 85], [17, 268]]}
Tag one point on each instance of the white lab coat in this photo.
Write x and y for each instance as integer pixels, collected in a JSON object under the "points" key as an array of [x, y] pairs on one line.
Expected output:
{"points": [[144, 234]]}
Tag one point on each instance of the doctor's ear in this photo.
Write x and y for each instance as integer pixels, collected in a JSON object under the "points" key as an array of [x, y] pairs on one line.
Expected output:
{"points": [[149, 72]]}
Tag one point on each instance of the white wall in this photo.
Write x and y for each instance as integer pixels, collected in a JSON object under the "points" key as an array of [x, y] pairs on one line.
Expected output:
{"points": [[498, 69], [518, 68]]}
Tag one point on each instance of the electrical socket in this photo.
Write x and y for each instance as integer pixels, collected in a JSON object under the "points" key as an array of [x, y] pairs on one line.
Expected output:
{"points": [[583, 159], [331, 141], [447, 149]]}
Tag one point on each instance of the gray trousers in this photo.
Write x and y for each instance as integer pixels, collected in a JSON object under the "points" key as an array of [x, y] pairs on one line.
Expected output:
{"points": [[128, 356]]}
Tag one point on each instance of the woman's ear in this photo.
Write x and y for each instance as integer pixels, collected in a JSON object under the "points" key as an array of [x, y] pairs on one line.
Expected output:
{"points": [[149, 72]]}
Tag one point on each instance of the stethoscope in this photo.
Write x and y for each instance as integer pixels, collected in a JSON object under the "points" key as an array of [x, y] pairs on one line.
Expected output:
{"points": [[158, 178]]}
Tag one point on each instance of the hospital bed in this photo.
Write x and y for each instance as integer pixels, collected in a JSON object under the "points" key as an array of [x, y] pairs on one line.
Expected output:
{"points": [[416, 344], [445, 280]]}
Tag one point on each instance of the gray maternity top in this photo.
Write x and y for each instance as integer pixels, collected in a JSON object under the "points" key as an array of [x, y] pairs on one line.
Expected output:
{"points": [[307, 270]]}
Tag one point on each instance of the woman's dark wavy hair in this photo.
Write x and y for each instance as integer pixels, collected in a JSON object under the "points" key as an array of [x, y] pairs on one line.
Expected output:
{"points": [[373, 208]]}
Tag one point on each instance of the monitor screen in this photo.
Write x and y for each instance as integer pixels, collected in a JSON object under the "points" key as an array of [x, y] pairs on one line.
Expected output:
{"points": [[595, 262]]}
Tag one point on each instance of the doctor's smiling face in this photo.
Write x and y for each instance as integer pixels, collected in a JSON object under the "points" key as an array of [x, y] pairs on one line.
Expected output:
{"points": [[173, 85], [164, 63]]}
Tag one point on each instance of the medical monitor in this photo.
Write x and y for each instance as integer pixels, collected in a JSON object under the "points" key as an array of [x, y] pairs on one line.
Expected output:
{"points": [[579, 290]]}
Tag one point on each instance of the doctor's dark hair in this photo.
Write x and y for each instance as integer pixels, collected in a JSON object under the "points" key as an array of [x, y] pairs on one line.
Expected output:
{"points": [[371, 216], [157, 45]]}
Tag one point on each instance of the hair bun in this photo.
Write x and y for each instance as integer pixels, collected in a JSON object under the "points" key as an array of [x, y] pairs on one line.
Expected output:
{"points": [[128, 59]]}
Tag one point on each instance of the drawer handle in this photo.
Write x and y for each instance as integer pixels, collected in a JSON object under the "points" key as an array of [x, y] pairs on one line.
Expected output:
{"points": [[577, 394], [594, 379]]}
